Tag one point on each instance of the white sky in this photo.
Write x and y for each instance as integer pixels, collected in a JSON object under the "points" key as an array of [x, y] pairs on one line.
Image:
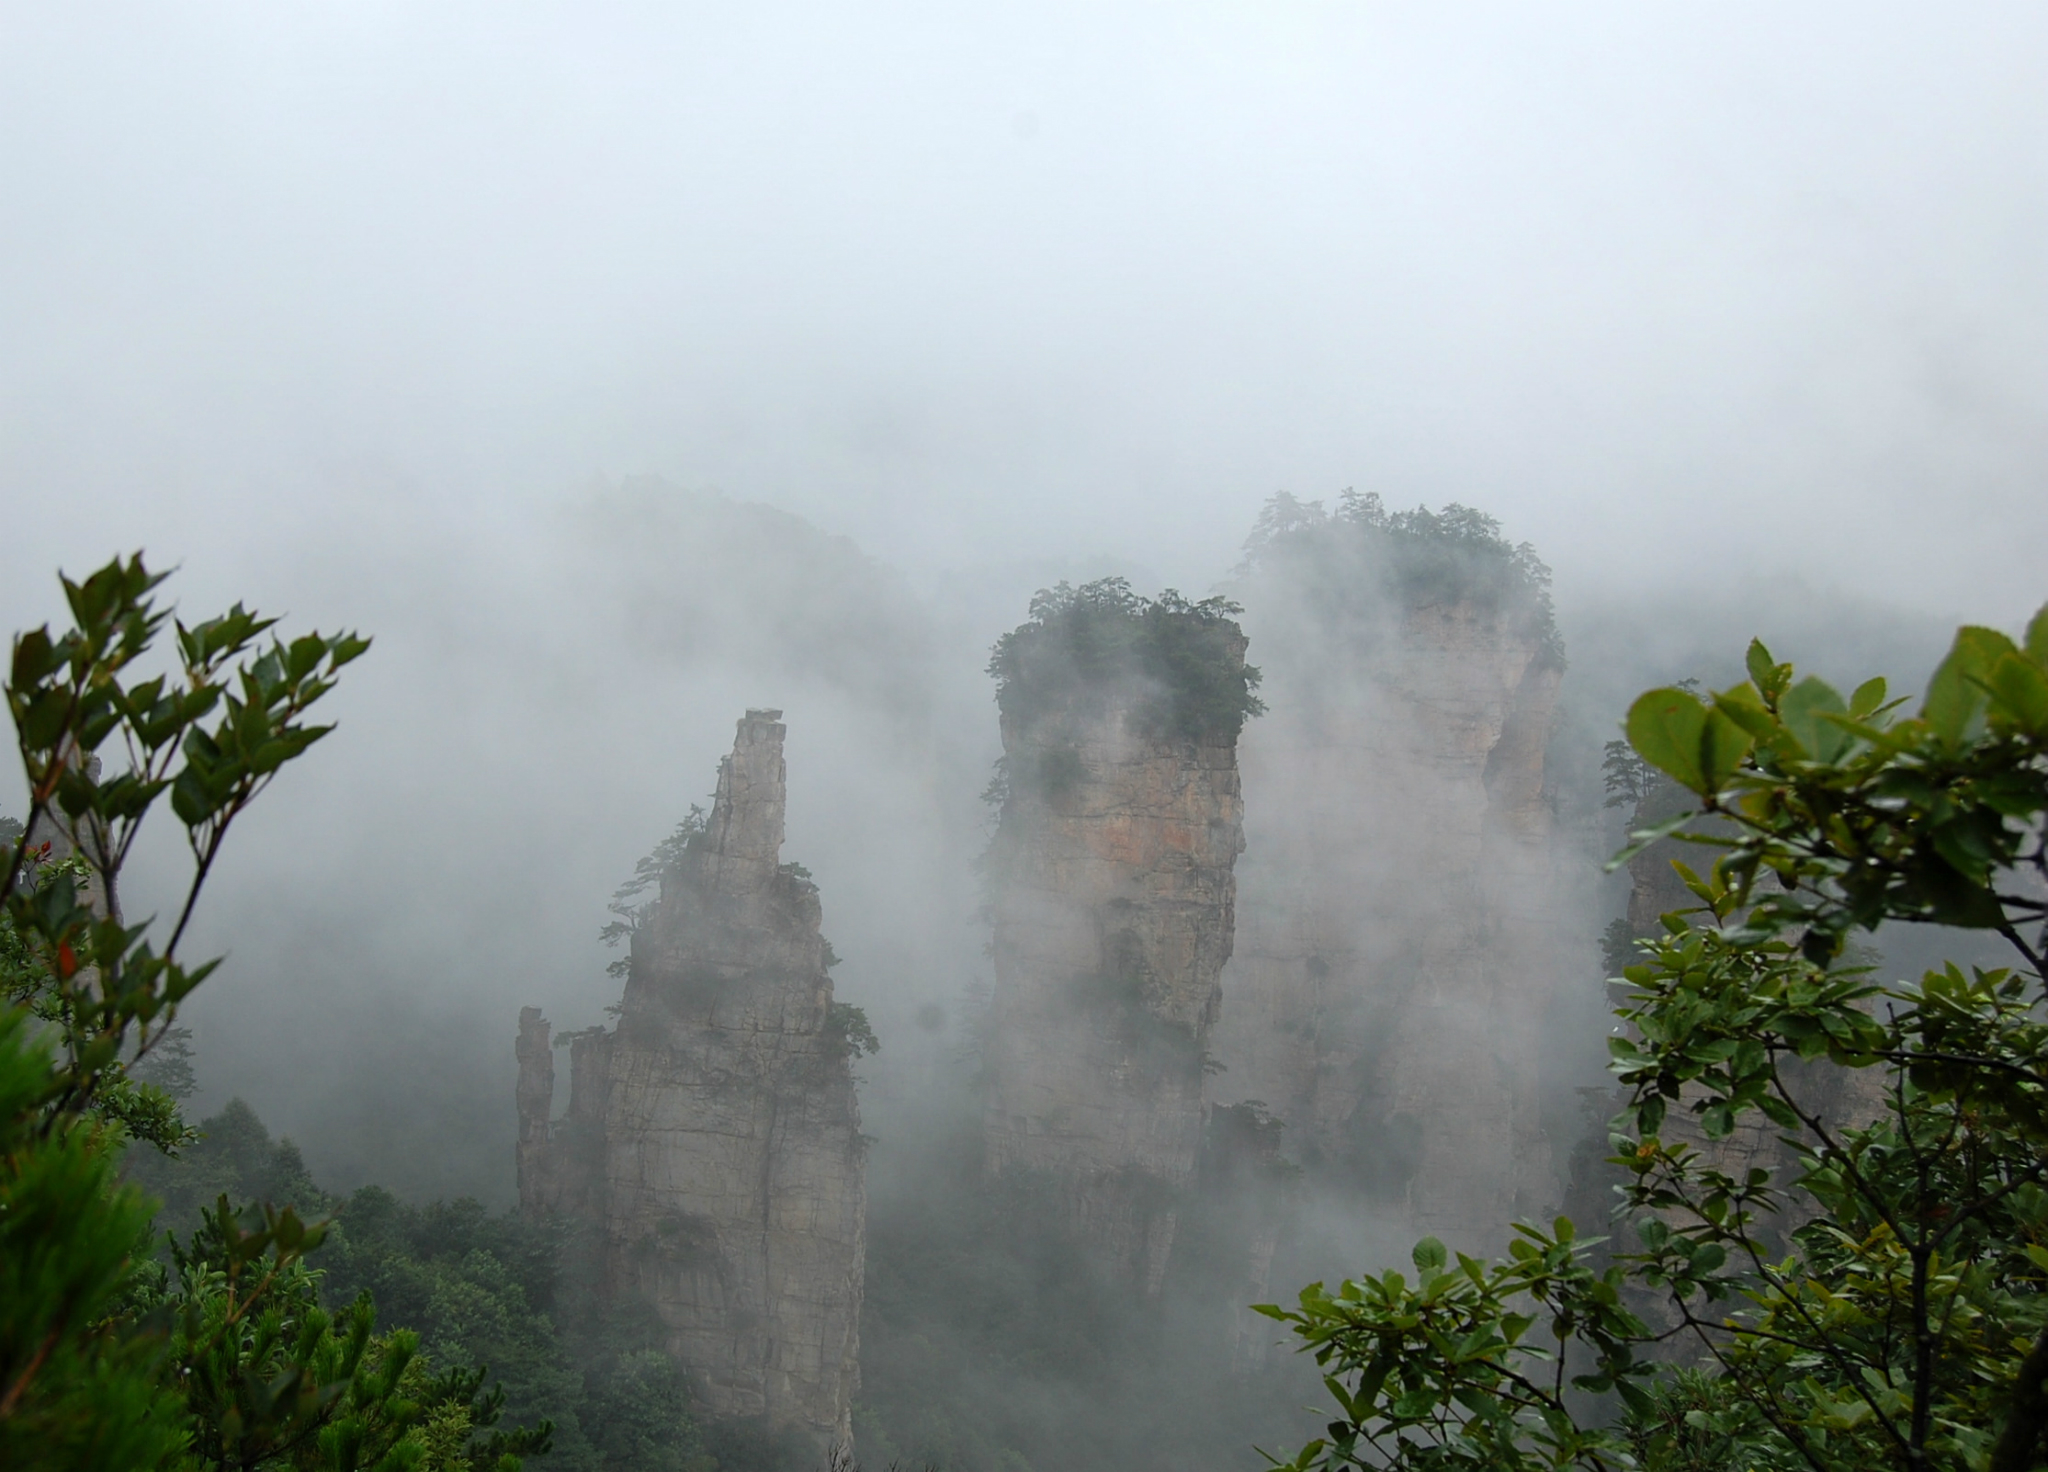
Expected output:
{"points": [[1746, 285]]}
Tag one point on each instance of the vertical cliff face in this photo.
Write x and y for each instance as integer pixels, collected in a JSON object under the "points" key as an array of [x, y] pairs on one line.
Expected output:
{"points": [[713, 1137], [1112, 923], [1113, 901], [1400, 942], [535, 1099]]}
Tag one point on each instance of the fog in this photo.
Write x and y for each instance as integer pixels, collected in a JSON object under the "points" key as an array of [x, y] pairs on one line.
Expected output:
{"points": [[619, 367], [1047, 278]]}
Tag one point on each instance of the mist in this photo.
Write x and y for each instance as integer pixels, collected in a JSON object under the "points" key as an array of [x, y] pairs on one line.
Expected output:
{"points": [[1046, 277], [622, 368]]}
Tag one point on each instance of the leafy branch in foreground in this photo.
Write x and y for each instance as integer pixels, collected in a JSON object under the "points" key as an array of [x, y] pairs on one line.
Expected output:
{"points": [[104, 1361], [273, 1380], [213, 737], [1881, 1305], [1484, 1392]]}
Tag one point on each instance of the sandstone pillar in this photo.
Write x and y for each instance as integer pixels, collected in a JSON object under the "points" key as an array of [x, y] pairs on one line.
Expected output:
{"points": [[716, 1131]]}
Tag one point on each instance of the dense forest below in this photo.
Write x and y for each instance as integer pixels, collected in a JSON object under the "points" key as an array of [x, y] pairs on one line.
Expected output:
{"points": [[988, 1338], [491, 1290]]}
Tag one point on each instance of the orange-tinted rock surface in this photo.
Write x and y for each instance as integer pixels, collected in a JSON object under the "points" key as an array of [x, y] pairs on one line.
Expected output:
{"points": [[1113, 900]]}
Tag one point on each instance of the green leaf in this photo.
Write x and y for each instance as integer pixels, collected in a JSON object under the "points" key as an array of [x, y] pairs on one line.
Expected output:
{"points": [[1868, 697], [1723, 747], [42, 723], [1664, 727], [1642, 838], [1697, 747], [2019, 690], [1956, 696], [1745, 707], [346, 648], [190, 800], [2037, 636], [1342, 1396], [1764, 672], [35, 657], [1802, 708], [1429, 1257]]}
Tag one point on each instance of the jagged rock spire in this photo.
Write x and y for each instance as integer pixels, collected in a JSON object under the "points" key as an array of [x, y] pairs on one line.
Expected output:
{"points": [[713, 1138], [745, 827]]}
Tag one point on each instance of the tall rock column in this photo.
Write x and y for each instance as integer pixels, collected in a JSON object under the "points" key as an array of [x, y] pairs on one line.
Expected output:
{"points": [[1113, 906], [714, 1137], [1405, 938]]}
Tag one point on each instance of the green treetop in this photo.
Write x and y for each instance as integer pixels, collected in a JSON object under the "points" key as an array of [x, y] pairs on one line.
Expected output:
{"points": [[1176, 666], [1349, 564]]}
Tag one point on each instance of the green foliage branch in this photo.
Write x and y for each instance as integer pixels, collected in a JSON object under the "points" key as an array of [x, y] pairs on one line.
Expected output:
{"points": [[1900, 1321], [272, 1379], [80, 1374], [82, 1366], [1443, 1372], [213, 738], [106, 1358]]}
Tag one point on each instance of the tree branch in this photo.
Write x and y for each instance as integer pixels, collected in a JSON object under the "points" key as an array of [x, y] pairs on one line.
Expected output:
{"points": [[2028, 1419]]}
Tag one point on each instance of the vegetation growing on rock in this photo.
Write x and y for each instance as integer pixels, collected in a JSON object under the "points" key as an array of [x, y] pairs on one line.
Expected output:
{"points": [[1178, 666], [1348, 562]]}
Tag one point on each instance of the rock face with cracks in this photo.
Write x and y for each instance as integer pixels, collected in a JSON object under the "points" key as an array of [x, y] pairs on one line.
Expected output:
{"points": [[712, 1138], [1113, 908], [1399, 945]]}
